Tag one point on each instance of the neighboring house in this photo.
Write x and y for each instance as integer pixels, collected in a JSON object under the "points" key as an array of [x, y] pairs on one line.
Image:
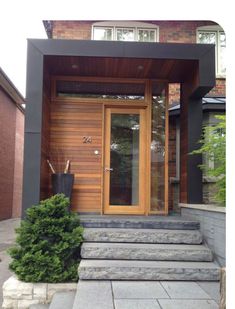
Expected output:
{"points": [[11, 149], [103, 104], [211, 106]]}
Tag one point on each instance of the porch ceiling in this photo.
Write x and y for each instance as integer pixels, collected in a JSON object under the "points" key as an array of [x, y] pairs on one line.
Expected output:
{"points": [[172, 70]]}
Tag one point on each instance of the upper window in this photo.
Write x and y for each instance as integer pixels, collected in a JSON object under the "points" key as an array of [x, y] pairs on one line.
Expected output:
{"points": [[125, 31], [214, 35]]}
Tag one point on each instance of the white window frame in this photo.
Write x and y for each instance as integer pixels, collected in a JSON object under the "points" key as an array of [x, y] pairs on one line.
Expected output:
{"points": [[98, 27], [124, 28], [148, 29], [217, 30], [136, 26]]}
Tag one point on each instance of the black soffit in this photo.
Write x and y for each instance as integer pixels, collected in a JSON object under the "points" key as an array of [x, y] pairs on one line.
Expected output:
{"points": [[182, 54]]}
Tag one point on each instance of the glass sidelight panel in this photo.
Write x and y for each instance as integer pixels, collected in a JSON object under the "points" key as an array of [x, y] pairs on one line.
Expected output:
{"points": [[124, 159], [158, 148]]}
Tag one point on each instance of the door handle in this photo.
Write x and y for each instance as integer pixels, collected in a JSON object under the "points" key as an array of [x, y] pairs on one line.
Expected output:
{"points": [[107, 169]]}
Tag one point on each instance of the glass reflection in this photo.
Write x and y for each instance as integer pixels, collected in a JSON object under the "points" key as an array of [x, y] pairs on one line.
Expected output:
{"points": [[124, 159], [158, 152]]}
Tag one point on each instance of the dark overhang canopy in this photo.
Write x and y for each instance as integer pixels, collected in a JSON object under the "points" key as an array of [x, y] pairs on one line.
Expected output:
{"points": [[173, 62], [191, 64]]}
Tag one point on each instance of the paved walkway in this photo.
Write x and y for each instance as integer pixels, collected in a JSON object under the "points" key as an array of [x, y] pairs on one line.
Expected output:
{"points": [[147, 295], [7, 238], [124, 294]]}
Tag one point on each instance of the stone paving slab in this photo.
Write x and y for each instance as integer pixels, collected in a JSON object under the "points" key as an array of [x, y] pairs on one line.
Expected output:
{"points": [[137, 290], [94, 294], [144, 295], [136, 304], [184, 290], [187, 304], [211, 288], [62, 300], [7, 239]]}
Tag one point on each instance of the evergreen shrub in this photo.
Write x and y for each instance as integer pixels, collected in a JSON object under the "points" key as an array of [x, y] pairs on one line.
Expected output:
{"points": [[48, 243]]}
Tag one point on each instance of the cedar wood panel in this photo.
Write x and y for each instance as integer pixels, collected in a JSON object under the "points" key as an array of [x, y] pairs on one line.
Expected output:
{"points": [[70, 122]]}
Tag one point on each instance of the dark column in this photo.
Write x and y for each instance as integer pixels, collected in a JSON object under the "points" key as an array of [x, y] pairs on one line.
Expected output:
{"points": [[33, 120], [190, 133]]}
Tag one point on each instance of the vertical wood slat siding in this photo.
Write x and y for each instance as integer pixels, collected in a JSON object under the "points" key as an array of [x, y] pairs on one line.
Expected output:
{"points": [[69, 123]]}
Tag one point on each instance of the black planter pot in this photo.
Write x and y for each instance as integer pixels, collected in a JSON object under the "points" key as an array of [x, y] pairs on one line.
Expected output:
{"points": [[62, 183]]}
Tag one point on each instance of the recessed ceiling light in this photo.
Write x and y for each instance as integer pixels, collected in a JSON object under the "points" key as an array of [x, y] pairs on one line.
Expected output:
{"points": [[140, 67]]}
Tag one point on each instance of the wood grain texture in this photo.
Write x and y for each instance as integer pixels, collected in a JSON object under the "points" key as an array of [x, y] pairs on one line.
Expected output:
{"points": [[67, 121], [45, 148], [70, 123]]}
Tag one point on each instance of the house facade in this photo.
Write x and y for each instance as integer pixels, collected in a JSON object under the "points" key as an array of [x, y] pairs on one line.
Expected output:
{"points": [[103, 97], [11, 150]]}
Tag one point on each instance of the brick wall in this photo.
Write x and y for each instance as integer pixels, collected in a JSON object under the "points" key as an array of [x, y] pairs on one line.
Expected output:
{"points": [[220, 88], [7, 154], [79, 30], [18, 168], [169, 31], [179, 31]]}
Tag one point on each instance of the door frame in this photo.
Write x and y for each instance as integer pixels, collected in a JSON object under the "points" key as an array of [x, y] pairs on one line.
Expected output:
{"points": [[139, 209]]}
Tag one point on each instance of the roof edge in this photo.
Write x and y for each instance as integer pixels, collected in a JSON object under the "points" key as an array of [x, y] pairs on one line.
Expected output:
{"points": [[11, 90]]}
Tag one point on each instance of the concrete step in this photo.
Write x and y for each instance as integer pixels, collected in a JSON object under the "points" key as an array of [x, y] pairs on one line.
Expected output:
{"points": [[62, 300], [148, 252], [139, 222], [156, 236], [147, 270]]}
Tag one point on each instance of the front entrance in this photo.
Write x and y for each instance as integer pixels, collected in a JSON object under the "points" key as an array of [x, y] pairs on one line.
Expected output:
{"points": [[125, 160], [115, 133]]}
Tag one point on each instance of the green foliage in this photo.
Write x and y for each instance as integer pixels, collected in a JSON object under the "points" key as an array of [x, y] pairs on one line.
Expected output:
{"points": [[213, 146], [48, 243]]}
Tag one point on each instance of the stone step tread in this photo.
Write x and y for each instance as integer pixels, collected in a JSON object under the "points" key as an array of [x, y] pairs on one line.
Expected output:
{"points": [[148, 270], [142, 235], [62, 300], [39, 306], [157, 222], [133, 218], [144, 246], [149, 264], [163, 252]]}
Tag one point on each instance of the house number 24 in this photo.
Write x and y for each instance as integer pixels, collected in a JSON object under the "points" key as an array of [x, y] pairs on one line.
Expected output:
{"points": [[87, 139]]}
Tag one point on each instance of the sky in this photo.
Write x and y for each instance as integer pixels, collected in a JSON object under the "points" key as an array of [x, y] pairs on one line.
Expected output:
{"points": [[13, 52], [22, 19]]}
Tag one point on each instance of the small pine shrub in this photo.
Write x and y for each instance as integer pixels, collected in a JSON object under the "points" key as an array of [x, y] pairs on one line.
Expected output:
{"points": [[48, 243]]}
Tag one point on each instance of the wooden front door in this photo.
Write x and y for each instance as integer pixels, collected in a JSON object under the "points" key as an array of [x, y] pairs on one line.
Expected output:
{"points": [[125, 161]]}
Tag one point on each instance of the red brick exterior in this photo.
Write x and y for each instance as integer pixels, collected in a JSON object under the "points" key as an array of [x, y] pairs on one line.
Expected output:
{"points": [[79, 30], [7, 154], [18, 169], [11, 156]]}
